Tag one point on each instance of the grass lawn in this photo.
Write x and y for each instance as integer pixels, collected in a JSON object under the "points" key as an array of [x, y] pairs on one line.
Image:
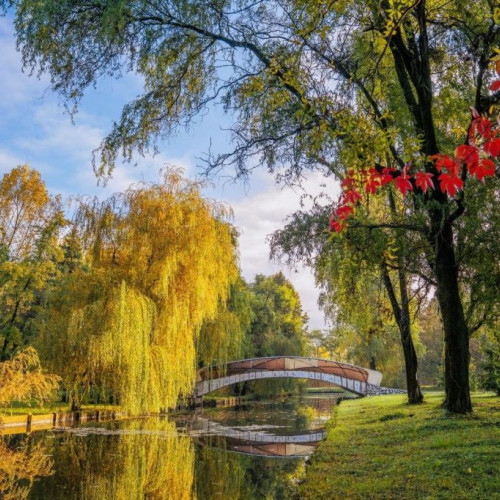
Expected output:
{"points": [[382, 448]]}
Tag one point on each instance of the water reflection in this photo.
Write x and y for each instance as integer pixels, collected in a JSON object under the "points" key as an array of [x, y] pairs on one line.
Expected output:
{"points": [[146, 461], [222, 474], [21, 462], [254, 440], [203, 455]]}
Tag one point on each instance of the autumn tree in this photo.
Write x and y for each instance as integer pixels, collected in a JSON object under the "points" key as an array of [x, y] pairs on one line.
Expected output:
{"points": [[22, 379], [30, 224], [158, 264], [344, 86]]}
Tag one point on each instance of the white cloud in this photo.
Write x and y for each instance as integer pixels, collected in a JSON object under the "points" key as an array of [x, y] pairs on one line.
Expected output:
{"points": [[8, 161], [257, 216], [125, 175]]}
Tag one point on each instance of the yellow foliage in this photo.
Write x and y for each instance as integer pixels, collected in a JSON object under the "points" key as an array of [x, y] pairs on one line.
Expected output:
{"points": [[161, 262], [21, 379], [23, 204]]}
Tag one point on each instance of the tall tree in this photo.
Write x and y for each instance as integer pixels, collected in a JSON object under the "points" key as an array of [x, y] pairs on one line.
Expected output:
{"points": [[159, 261], [365, 287], [30, 225], [278, 326], [346, 85]]}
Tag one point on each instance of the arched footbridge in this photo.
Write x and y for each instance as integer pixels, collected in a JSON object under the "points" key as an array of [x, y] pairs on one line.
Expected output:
{"points": [[350, 377]]}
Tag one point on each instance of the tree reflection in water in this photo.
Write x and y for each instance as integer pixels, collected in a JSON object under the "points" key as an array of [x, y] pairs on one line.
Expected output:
{"points": [[141, 459], [151, 459], [21, 462], [221, 473]]}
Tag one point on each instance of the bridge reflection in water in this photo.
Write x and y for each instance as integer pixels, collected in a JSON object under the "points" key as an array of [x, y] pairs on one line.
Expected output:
{"points": [[259, 443]]}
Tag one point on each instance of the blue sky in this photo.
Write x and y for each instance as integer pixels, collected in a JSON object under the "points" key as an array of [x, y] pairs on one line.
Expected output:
{"points": [[35, 129]]}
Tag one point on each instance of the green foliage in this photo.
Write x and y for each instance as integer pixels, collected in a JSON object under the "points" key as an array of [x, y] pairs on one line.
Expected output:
{"points": [[277, 328], [278, 325], [431, 360], [490, 379], [234, 318]]}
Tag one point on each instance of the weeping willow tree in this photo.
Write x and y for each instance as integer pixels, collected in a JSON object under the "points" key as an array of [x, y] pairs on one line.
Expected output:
{"points": [[158, 262], [22, 379]]}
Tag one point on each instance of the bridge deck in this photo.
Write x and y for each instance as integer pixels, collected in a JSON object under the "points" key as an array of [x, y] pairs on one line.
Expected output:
{"points": [[351, 377]]}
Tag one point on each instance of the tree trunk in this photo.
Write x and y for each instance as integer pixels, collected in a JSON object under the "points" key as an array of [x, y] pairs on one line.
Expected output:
{"points": [[456, 334], [415, 395], [402, 317]]}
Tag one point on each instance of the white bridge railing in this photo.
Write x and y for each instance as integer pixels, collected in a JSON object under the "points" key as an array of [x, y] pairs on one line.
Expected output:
{"points": [[207, 386]]}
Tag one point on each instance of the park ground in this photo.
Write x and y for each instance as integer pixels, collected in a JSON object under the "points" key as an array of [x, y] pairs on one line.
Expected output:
{"points": [[383, 448]]}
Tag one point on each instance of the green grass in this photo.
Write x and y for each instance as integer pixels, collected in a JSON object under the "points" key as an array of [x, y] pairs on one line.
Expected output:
{"points": [[382, 448]]}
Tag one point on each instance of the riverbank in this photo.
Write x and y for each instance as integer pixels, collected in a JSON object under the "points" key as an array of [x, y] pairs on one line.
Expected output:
{"points": [[382, 448], [23, 419], [42, 419]]}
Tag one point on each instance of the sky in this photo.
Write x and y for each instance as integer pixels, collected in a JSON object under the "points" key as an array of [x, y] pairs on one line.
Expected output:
{"points": [[35, 129]]}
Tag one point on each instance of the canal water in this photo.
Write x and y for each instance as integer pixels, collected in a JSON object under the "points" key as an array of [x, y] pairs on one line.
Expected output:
{"points": [[257, 451]]}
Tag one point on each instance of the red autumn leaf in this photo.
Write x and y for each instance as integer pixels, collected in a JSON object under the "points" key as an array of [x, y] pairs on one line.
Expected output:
{"points": [[336, 226], [443, 161], [373, 182], [492, 147], [372, 185], [497, 67], [484, 127], [450, 184], [347, 182], [351, 196], [486, 168], [403, 184], [344, 211], [387, 176], [423, 180], [468, 154], [472, 134], [495, 86]]}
